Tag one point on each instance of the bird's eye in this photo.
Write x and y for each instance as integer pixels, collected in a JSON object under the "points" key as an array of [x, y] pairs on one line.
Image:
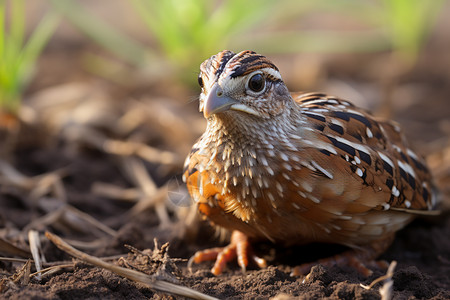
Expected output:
{"points": [[200, 80], [256, 83]]}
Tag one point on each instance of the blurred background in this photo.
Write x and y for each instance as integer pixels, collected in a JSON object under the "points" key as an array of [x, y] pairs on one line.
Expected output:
{"points": [[377, 54], [98, 99]]}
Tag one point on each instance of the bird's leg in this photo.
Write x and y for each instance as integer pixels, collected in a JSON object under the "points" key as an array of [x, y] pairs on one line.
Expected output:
{"points": [[359, 258], [239, 248]]}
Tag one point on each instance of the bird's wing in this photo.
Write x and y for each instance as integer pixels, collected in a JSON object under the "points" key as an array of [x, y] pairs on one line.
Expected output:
{"points": [[374, 151]]}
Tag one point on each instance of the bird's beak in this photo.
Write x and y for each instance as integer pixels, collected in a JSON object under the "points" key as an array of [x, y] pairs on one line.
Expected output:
{"points": [[217, 102]]}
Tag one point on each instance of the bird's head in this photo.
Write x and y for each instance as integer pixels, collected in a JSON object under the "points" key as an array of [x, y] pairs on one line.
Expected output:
{"points": [[245, 84]]}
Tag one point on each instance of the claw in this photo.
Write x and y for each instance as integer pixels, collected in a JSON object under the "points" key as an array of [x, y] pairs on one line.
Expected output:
{"points": [[239, 248], [227, 254]]}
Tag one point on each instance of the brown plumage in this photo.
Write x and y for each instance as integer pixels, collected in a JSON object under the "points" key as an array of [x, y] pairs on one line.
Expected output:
{"points": [[298, 168]]}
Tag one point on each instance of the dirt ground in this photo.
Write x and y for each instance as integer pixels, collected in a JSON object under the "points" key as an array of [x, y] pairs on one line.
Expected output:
{"points": [[95, 195], [422, 251]]}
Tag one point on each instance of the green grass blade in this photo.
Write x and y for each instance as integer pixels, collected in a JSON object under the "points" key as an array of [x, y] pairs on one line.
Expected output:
{"points": [[36, 43], [17, 21], [18, 57], [408, 23], [119, 44], [2, 27]]}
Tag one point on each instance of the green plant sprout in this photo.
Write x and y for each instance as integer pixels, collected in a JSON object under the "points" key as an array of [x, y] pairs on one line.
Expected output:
{"points": [[17, 55], [186, 32], [408, 22], [397, 25], [189, 31], [119, 44]]}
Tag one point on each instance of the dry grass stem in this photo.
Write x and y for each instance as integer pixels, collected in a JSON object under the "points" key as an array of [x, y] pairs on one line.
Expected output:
{"points": [[161, 208], [130, 120], [114, 192], [50, 270], [36, 252], [46, 220], [91, 245], [90, 220], [190, 221], [10, 176], [163, 116], [149, 201], [36, 187], [389, 274], [137, 173], [152, 195], [10, 249], [12, 259], [69, 216], [136, 276], [151, 154], [50, 183], [65, 106], [98, 140], [386, 289], [84, 134]]}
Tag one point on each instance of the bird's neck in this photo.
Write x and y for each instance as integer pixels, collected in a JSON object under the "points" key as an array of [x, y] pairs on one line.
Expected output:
{"points": [[243, 132], [240, 145]]}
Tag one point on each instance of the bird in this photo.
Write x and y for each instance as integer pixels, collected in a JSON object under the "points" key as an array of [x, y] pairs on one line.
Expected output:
{"points": [[298, 168]]}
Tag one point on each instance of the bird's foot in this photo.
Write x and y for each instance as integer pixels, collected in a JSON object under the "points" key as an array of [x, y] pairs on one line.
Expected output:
{"points": [[239, 248], [359, 258], [345, 259]]}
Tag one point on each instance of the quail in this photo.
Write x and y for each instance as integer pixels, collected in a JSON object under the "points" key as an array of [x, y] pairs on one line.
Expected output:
{"points": [[297, 168]]}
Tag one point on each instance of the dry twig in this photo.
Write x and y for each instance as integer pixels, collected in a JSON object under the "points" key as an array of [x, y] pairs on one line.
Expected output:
{"points": [[139, 277], [386, 289]]}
